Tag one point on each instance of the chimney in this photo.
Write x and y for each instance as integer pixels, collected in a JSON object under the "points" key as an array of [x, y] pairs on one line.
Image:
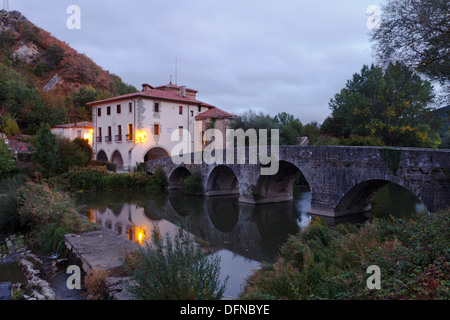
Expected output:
{"points": [[146, 87], [183, 91]]}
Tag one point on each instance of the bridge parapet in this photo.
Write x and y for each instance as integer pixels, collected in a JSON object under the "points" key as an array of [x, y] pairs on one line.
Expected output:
{"points": [[343, 180]]}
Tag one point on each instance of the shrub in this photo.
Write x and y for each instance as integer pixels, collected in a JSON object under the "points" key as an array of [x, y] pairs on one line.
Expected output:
{"points": [[193, 184], [9, 216], [95, 283], [49, 215], [174, 270], [330, 263]]}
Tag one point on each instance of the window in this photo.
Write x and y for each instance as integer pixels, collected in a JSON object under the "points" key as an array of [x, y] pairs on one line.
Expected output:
{"points": [[119, 109], [180, 110], [78, 133], [119, 133], [156, 107], [180, 128], [108, 110], [99, 136], [156, 129], [108, 137], [199, 109], [130, 132], [130, 107], [99, 112], [192, 113]]}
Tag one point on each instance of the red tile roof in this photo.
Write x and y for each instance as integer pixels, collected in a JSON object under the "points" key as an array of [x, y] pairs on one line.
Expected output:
{"points": [[156, 94], [173, 86], [214, 113], [82, 124]]}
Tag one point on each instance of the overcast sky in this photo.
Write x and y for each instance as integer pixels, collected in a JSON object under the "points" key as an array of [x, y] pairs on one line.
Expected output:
{"points": [[269, 56]]}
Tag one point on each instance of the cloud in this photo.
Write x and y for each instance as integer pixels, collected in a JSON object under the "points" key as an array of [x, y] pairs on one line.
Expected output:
{"points": [[270, 56]]}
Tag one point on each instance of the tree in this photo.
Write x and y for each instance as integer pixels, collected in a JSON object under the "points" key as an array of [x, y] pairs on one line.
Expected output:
{"points": [[7, 164], [417, 33], [46, 145], [392, 104]]}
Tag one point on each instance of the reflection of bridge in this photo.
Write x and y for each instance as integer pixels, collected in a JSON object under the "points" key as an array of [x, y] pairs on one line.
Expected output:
{"points": [[221, 223], [343, 180]]}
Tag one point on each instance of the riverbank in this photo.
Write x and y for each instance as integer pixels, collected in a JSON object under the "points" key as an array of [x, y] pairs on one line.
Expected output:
{"points": [[412, 256]]}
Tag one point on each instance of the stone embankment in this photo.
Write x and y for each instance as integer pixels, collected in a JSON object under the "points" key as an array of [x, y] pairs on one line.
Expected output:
{"points": [[103, 250], [35, 287]]}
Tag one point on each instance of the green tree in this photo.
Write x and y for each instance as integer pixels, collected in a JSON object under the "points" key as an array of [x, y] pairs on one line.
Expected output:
{"points": [[71, 154], [46, 145], [7, 164], [415, 32], [392, 104], [291, 128], [9, 126]]}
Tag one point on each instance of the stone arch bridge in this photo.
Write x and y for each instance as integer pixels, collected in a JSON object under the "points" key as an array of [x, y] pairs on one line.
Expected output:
{"points": [[343, 180]]}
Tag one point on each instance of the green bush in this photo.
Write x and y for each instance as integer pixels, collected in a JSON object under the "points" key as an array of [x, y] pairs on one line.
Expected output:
{"points": [[110, 166], [97, 178], [193, 183], [49, 215], [174, 270], [9, 205], [331, 263]]}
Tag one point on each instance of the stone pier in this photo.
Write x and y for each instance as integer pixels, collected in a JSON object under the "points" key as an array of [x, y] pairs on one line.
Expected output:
{"points": [[103, 250]]}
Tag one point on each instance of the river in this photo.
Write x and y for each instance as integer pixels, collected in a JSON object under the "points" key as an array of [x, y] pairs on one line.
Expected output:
{"points": [[243, 235]]}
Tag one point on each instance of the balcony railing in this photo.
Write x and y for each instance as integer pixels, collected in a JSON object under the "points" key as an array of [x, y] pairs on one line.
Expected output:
{"points": [[118, 138], [98, 139], [108, 139], [129, 137]]}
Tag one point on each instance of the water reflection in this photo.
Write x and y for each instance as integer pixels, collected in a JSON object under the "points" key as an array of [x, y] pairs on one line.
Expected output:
{"points": [[243, 235]]}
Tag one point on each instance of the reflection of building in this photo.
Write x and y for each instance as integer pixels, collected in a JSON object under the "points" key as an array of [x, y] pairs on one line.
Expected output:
{"points": [[129, 220], [140, 126], [82, 130]]}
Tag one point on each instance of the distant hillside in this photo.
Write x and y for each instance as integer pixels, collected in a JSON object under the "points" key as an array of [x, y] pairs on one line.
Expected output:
{"points": [[44, 80]]}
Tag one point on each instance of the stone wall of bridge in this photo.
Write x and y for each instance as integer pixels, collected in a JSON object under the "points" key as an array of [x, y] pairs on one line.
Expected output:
{"points": [[343, 180]]}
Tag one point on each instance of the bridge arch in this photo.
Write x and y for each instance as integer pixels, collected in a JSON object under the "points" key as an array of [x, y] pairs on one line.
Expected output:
{"points": [[358, 199], [155, 153], [280, 186], [176, 177], [222, 181]]}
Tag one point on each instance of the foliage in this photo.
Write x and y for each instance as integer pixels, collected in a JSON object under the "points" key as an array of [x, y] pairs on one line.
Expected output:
{"points": [[174, 269], [49, 215], [390, 104], [391, 157], [355, 140], [97, 178], [46, 145], [330, 263], [8, 125], [110, 166], [193, 183], [7, 164], [71, 154], [445, 141], [9, 217], [415, 32], [95, 283], [22, 83]]}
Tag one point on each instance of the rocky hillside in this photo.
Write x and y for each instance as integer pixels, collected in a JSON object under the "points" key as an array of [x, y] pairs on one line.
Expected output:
{"points": [[44, 80]]}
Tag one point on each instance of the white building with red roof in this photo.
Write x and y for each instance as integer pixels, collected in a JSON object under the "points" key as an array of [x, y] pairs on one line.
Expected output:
{"points": [[138, 127]]}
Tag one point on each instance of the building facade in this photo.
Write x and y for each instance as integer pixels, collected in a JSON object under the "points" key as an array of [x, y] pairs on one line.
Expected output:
{"points": [[146, 125], [83, 130]]}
